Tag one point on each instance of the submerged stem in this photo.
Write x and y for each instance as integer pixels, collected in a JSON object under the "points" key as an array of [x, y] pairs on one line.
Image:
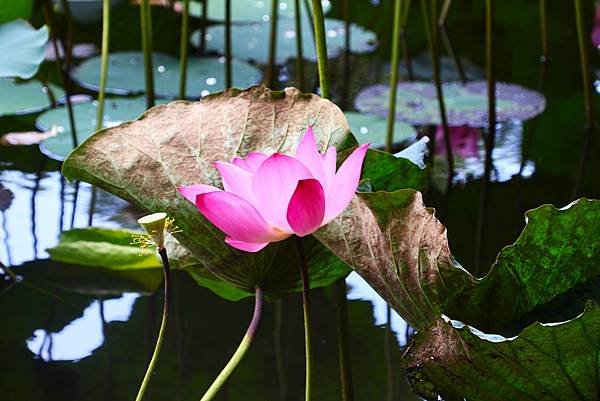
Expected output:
{"points": [[161, 333], [240, 351], [183, 48], [389, 141], [307, 318]]}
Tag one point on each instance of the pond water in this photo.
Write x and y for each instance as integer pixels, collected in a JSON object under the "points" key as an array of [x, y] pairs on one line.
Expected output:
{"points": [[70, 337]]}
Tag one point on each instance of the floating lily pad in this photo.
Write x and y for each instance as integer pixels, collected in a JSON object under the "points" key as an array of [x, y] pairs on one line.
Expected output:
{"points": [[26, 97], [126, 74], [22, 48], [251, 41], [369, 128], [115, 112], [465, 104], [250, 10], [423, 69], [85, 11]]}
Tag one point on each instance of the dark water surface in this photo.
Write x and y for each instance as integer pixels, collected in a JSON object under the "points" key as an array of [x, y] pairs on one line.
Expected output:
{"points": [[75, 337]]}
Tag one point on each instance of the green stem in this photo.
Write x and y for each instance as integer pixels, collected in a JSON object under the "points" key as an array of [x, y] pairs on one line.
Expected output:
{"points": [[103, 63], [299, 50], [343, 330], [491, 90], [271, 74], [404, 40], [307, 317], [146, 25], [545, 59], [389, 141], [183, 48], [240, 351], [228, 71], [447, 43], [163, 325], [321, 45], [587, 95]]}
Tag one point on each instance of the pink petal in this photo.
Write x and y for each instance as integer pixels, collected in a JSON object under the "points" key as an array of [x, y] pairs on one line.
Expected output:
{"points": [[329, 164], [236, 180], [191, 191], [344, 183], [246, 246], [308, 154], [274, 184], [236, 217], [307, 207], [252, 162]]}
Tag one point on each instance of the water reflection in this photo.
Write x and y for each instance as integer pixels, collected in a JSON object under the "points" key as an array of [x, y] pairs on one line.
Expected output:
{"points": [[82, 336]]}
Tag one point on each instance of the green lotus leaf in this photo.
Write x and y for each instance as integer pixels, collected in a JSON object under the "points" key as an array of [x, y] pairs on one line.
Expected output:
{"points": [[22, 48], [545, 362], [402, 250], [126, 74], [251, 41], [26, 97], [11, 10], [116, 111]]}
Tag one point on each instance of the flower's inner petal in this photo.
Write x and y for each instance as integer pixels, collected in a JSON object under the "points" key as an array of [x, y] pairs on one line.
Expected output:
{"points": [[306, 209], [252, 162], [246, 246], [191, 191], [308, 154], [274, 184], [236, 180], [236, 217], [344, 183]]}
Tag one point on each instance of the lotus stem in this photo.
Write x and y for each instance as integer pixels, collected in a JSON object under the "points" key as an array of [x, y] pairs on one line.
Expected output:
{"points": [[545, 58], [321, 46], [429, 21], [343, 331], [146, 25], [49, 16], [489, 143], [389, 140], [271, 74], [203, 27], [183, 48], [163, 325], [241, 350], [299, 50], [307, 317], [69, 42], [228, 71], [587, 95]]}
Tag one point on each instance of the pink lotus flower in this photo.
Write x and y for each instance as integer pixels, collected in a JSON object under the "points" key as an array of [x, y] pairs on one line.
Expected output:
{"points": [[268, 198]]}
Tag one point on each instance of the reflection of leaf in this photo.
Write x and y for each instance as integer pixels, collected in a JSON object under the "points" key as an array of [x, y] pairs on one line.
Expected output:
{"points": [[22, 48], [102, 247], [545, 362], [144, 161], [26, 138]]}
